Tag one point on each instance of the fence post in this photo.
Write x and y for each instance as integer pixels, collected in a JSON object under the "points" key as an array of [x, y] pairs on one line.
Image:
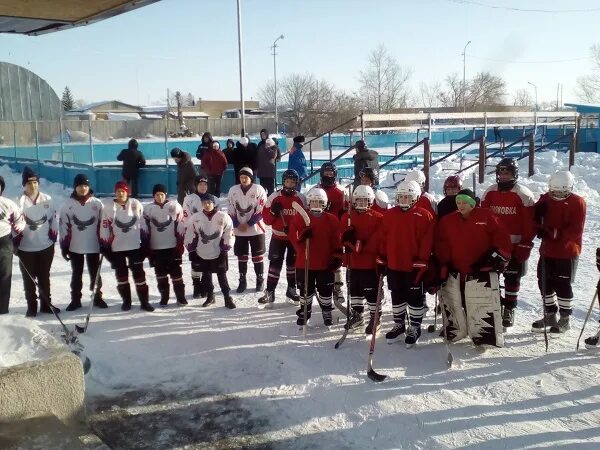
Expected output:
{"points": [[167, 152], [311, 156], [15, 139], [62, 150], [330, 147], [426, 162], [362, 125], [429, 120], [531, 155], [37, 146], [91, 142], [482, 159]]}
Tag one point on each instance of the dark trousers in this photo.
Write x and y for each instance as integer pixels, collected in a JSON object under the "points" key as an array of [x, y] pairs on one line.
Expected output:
{"points": [[404, 292], [77, 262], [257, 246], [167, 262], [363, 284], [120, 262], [559, 275], [6, 256], [268, 183], [214, 184], [132, 182], [38, 265], [277, 251], [512, 282], [322, 281]]}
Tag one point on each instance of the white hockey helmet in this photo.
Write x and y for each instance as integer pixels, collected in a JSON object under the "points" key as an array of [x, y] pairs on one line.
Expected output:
{"points": [[407, 194], [382, 199], [560, 185], [317, 200], [363, 197], [416, 175]]}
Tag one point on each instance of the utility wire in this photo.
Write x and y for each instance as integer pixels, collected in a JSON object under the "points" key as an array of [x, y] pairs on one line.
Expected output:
{"points": [[549, 61], [511, 8]]}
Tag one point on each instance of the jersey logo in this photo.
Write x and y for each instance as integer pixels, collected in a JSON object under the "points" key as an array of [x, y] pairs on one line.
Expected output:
{"points": [[242, 212], [35, 224], [83, 224], [504, 210], [161, 226], [205, 238], [126, 226]]}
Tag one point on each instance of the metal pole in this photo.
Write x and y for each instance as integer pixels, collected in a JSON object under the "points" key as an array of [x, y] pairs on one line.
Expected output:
{"points": [[37, 146], [15, 139], [167, 152], [91, 142], [464, 80], [239, 26], [536, 97], [362, 126], [62, 150], [275, 81]]}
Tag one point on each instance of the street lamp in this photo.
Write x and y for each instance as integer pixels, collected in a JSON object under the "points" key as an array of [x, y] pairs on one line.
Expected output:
{"points": [[241, 66], [465, 77], [536, 97], [274, 47]]}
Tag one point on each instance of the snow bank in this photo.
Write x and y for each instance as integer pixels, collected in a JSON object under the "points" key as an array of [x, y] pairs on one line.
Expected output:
{"points": [[14, 188], [21, 341]]}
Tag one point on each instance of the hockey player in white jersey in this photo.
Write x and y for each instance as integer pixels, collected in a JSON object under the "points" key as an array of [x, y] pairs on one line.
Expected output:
{"points": [[191, 205], [246, 202], [164, 241], [120, 242], [79, 221], [11, 231], [208, 238], [36, 248]]}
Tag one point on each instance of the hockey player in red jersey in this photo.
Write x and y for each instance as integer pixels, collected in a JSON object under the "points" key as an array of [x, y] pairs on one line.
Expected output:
{"points": [[360, 238], [560, 215], [426, 200], [277, 213], [473, 247], [513, 204], [324, 255], [404, 250], [368, 177]]}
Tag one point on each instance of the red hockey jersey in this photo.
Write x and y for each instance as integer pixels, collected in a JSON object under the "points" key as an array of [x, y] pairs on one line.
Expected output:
{"points": [[514, 209], [568, 218], [406, 237], [367, 226], [461, 242], [335, 196], [278, 224], [428, 203], [324, 243]]}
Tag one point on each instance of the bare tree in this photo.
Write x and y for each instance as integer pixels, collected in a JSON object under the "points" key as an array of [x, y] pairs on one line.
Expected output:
{"points": [[588, 86], [452, 95], [485, 90], [266, 96], [384, 84], [430, 94], [189, 100], [523, 98]]}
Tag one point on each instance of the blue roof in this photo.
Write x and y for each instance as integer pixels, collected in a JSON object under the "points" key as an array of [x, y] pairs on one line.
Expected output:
{"points": [[584, 108]]}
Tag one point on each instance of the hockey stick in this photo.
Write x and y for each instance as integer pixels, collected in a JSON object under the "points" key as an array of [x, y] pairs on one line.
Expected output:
{"points": [[69, 336], [370, 372], [449, 358], [431, 328], [300, 210], [543, 283], [95, 288], [589, 313], [348, 273]]}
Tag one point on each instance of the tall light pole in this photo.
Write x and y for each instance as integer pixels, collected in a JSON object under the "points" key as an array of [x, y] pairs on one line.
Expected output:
{"points": [[465, 77], [536, 97], [274, 47], [239, 27]]}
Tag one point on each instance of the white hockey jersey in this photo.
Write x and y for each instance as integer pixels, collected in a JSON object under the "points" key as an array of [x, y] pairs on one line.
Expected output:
{"points": [[11, 219], [41, 224], [80, 224], [247, 208], [163, 224], [122, 226], [191, 205], [207, 235]]}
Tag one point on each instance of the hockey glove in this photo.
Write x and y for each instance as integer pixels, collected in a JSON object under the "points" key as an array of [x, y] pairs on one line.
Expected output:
{"points": [[349, 235], [224, 247], [335, 263], [276, 209], [381, 267], [522, 251], [419, 269], [539, 211], [352, 247], [549, 233], [598, 259], [65, 254], [491, 261], [305, 233]]}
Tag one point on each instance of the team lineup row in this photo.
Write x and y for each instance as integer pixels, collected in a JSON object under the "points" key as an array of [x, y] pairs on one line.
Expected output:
{"points": [[459, 246]]}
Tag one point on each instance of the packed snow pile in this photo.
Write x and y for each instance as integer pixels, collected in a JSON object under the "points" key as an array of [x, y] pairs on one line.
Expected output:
{"points": [[21, 341]]}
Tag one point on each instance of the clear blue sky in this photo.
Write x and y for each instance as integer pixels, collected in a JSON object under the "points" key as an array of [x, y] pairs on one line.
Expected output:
{"points": [[191, 45]]}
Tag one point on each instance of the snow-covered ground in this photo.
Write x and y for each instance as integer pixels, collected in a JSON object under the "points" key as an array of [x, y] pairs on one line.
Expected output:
{"points": [[215, 378]]}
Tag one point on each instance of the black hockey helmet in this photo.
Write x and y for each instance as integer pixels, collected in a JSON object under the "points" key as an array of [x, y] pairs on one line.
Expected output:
{"points": [[289, 174], [507, 165], [328, 180], [369, 173]]}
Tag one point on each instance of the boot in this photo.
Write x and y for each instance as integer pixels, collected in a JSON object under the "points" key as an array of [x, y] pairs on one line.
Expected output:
{"points": [[370, 326], [395, 333], [260, 283], [210, 299], [165, 291], [125, 293], [412, 335], [32, 309], [355, 321], [300, 314], [229, 302], [562, 326], [327, 319], [268, 298], [592, 341], [197, 288], [99, 301], [48, 309], [508, 317], [243, 284], [292, 295], [143, 296], [75, 303], [179, 290], [538, 325]]}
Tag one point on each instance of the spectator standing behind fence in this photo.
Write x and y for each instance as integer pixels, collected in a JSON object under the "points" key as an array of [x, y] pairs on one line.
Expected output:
{"points": [[296, 160], [214, 164], [204, 145], [364, 158], [133, 159], [268, 155], [186, 172], [244, 155]]}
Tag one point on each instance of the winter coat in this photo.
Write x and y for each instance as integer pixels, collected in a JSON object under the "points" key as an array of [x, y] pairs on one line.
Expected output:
{"points": [[362, 160], [186, 172], [267, 160], [244, 157], [204, 146], [133, 160], [297, 161], [214, 163]]}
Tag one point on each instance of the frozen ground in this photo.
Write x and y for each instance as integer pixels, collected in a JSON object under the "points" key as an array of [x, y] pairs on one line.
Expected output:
{"points": [[214, 378]]}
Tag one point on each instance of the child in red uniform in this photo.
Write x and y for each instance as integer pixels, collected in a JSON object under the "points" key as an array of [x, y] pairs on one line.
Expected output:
{"points": [[324, 255], [360, 234], [405, 248], [561, 218]]}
